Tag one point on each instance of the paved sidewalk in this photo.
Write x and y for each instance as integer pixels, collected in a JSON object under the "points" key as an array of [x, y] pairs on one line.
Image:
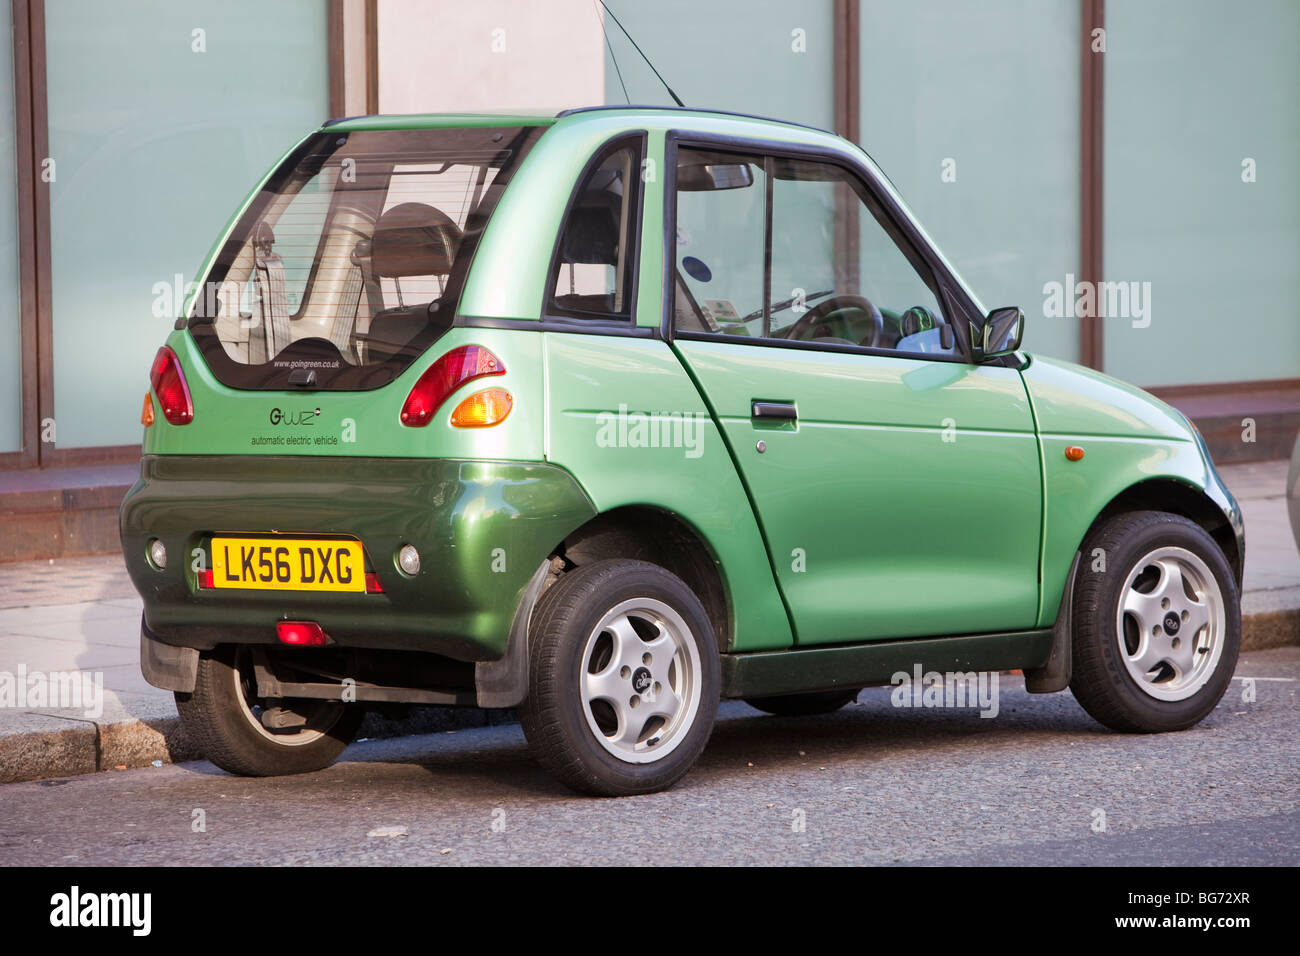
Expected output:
{"points": [[1270, 600], [81, 614]]}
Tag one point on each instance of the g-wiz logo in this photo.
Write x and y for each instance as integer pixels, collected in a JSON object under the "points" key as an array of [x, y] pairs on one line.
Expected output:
{"points": [[307, 416], [103, 909]]}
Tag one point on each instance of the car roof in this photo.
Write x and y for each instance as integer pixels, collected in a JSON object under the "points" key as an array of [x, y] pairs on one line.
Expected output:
{"points": [[438, 120], [633, 117], [635, 111]]}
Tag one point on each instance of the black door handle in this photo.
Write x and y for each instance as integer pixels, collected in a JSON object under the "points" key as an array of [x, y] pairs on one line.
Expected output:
{"points": [[777, 410]]}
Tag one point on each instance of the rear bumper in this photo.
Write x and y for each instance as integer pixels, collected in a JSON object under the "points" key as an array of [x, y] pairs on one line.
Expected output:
{"points": [[482, 529]]}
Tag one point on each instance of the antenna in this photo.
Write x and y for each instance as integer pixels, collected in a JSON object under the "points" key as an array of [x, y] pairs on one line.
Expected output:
{"points": [[676, 99], [613, 59]]}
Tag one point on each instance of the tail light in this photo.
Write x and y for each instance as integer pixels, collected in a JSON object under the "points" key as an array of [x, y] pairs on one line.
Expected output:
{"points": [[462, 364], [168, 383], [488, 407], [301, 633]]}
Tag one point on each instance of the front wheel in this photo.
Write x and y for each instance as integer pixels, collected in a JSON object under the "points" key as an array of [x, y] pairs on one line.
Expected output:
{"points": [[623, 679], [1156, 623], [253, 737]]}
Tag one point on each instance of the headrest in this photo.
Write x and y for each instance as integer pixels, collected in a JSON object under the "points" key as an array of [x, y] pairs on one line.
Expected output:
{"points": [[591, 235], [413, 239]]}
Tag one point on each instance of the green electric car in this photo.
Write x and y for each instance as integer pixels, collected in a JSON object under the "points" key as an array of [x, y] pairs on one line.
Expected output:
{"points": [[609, 415]]}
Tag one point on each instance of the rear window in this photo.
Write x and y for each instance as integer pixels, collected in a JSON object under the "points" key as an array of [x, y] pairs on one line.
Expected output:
{"points": [[350, 262]]}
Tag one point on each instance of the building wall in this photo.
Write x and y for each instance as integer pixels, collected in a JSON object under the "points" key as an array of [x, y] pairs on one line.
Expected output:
{"points": [[1201, 97], [488, 55], [11, 397], [157, 133], [770, 57], [973, 110]]}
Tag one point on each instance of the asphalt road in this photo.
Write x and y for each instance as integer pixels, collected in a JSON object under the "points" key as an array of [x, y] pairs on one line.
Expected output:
{"points": [[872, 784]]}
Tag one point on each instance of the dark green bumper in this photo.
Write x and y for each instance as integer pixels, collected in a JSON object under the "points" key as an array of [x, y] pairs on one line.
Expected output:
{"points": [[482, 529]]}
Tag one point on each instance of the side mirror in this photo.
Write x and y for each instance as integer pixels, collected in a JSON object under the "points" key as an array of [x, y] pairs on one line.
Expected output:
{"points": [[1001, 334]]}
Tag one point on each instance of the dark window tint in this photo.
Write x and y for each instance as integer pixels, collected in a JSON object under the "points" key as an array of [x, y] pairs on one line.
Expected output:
{"points": [[595, 255]]}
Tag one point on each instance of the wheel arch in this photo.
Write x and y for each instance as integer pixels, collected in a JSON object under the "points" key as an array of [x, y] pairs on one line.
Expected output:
{"points": [[662, 537], [642, 532], [1164, 493], [1176, 497]]}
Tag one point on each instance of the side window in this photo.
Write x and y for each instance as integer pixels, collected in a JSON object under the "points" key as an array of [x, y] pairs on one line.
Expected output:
{"points": [[721, 202], [595, 260], [788, 249]]}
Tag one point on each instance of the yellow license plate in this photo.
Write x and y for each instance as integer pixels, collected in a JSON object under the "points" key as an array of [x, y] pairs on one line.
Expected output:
{"points": [[288, 564]]}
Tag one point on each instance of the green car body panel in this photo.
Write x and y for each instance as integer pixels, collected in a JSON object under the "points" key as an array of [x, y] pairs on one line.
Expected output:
{"points": [[896, 444], [479, 518], [913, 499], [1129, 437]]}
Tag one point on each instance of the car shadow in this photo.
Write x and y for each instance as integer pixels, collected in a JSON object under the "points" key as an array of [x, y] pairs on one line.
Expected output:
{"points": [[744, 739]]}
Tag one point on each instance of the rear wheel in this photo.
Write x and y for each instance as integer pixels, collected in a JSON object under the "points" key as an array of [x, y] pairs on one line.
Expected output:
{"points": [[1156, 625], [804, 705], [255, 737], [623, 679]]}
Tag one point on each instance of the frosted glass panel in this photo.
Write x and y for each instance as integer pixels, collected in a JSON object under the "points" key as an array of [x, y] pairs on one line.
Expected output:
{"points": [[157, 133], [972, 109], [11, 405], [1194, 89], [770, 57]]}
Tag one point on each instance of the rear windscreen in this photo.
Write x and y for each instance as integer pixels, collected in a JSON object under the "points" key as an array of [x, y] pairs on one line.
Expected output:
{"points": [[350, 262]]}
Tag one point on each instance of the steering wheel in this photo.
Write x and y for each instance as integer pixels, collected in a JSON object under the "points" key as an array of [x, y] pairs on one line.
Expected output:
{"points": [[822, 312]]}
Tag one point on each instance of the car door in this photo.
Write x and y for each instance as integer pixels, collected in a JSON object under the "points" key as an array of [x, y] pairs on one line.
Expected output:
{"points": [[897, 485]]}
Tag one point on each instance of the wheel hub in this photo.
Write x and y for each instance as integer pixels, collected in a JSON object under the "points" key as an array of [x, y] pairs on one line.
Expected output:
{"points": [[640, 680], [1170, 623]]}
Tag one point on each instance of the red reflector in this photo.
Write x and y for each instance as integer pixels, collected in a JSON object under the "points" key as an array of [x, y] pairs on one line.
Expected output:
{"points": [[372, 583], [303, 633], [205, 579], [169, 385], [462, 364]]}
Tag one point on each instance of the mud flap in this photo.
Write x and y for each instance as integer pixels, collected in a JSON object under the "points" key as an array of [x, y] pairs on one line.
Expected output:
{"points": [[167, 667], [1056, 673], [504, 682]]}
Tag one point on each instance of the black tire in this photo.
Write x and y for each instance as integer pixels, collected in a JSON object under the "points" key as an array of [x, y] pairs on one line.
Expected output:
{"points": [[559, 723], [804, 705], [1102, 682], [220, 720]]}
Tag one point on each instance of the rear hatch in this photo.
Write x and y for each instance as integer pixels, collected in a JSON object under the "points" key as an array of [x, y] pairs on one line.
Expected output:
{"points": [[316, 416], [345, 269]]}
